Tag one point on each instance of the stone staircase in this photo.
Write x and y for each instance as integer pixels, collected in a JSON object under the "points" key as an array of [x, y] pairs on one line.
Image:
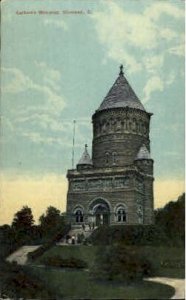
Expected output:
{"points": [[74, 233]]}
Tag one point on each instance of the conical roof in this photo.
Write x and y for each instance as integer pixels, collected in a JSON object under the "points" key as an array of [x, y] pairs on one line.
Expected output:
{"points": [[143, 153], [121, 95], [85, 158]]}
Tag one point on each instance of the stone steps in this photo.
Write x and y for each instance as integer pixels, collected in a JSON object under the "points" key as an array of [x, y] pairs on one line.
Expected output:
{"points": [[73, 233]]}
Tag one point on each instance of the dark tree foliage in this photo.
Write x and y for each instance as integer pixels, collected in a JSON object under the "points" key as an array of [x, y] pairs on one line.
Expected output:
{"points": [[51, 222], [17, 282], [118, 262], [171, 219], [23, 219], [7, 241], [22, 226], [138, 235]]}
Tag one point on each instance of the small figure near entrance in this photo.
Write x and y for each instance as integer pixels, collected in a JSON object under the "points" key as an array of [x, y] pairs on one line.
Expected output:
{"points": [[68, 237], [83, 227], [73, 241]]}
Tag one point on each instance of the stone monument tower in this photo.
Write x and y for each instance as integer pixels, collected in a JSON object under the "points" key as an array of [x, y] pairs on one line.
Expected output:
{"points": [[116, 185]]}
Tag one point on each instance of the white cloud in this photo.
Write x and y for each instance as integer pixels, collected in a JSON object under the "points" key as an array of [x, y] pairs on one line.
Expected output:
{"points": [[44, 114], [170, 78], [155, 83], [152, 63], [155, 10], [39, 138], [167, 34], [49, 75], [177, 50], [19, 82], [123, 33], [119, 30], [120, 55]]}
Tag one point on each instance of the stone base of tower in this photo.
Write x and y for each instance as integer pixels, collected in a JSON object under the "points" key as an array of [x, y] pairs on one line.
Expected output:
{"points": [[112, 196]]}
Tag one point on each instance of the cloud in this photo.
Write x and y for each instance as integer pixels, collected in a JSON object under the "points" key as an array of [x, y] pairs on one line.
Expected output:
{"points": [[156, 83], [152, 63], [155, 11], [178, 50], [56, 23], [124, 33], [37, 192], [49, 139], [170, 78], [19, 82], [153, 84], [36, 116], [49, 75]]}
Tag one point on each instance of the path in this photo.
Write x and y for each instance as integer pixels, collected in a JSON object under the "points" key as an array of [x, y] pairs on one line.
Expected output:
{"points": [[177, 284], [20, 256]]}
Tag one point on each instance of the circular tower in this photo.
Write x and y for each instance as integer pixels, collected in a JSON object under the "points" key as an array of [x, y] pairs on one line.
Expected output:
{"points": [[120, 126]]}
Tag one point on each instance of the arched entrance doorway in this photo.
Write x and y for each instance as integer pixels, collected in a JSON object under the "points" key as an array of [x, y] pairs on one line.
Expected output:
{"points": [[100, 212], [101, 215]]}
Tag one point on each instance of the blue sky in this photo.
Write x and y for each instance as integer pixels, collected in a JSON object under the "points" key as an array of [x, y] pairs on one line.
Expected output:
{"points": [[57, 68]]}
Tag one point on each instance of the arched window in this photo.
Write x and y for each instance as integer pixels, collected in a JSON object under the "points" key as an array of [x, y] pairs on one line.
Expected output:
{"points": [[134, 125], [107, 157], [114, 158], [79, 216], [121, 215], [108, 126]]}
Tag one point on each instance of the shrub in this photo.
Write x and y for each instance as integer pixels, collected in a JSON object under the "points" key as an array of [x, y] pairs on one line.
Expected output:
{"points": [[57, 261], [130, 235], [120, 263]]}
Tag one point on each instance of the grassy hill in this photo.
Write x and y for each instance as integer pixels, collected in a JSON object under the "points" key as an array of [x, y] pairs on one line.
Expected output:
{"points": [[78, 284], [167, 261]]}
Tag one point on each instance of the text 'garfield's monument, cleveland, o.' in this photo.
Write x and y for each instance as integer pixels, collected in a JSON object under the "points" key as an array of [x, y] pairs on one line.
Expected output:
{"points": [[116, 185]]}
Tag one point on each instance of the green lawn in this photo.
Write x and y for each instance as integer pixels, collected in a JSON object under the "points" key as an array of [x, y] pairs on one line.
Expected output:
{"points": [[79, 285], [166, 260]]}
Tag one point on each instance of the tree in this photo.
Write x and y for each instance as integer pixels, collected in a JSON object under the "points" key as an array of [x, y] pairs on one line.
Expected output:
{"points": [[51, 221], [23, 219], [22, 225], [171, 218]]}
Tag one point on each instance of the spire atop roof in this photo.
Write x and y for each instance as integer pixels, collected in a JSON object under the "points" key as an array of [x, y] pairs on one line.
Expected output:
{"points": [[143, 153], [85, 158], [121, 73], [121, 95]]}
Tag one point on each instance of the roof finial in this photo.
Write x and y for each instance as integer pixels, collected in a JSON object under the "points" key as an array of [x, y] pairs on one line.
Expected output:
{"points": [[86, 147], [121, 70]]}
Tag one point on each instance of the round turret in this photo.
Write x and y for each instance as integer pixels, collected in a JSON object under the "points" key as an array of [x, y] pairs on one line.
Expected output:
{"points": [[120, 126], [85, 161], [143, 160]]}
